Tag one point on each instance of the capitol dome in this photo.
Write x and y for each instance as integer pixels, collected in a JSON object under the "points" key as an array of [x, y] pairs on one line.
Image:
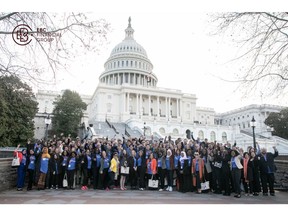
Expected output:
{"points": [[128, 63]]}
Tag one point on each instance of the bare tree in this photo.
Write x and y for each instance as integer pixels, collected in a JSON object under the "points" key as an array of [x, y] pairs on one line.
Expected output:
{"points": [[263, 40], [40, 61]]}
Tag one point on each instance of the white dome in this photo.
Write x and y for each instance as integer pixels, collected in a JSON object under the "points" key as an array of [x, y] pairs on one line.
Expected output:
{"points": [[128, 63]]}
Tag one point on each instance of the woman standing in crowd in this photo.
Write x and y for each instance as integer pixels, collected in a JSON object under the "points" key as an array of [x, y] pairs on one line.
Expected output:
{"points": [[63, 166], [96, 158], [255, 172], [169, 162], [72, 167], [124, 164], [104, 167], [141, 168], [247, 174], [55, 170], [132, 163], [31, 161], [86, 165], [161, 169], [21, 170], [226, 158], [236, 168], [43, 168], [197, 171], [175, 171], [183, 173], [151, 167], [114, 170]]}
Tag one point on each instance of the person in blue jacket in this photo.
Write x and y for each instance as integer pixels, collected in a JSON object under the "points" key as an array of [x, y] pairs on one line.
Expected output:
{"points": [[31, 163], [72, 167]]}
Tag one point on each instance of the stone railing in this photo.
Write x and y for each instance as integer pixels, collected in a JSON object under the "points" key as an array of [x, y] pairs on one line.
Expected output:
{"points": [[8, 175], [281, 175]]}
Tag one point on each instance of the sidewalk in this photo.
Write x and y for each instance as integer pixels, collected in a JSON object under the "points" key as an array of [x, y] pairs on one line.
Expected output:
{"points": [[91, 196]]}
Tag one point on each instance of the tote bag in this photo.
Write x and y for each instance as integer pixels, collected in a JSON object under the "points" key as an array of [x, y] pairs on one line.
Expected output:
{"points": [[153, 183], [205, 186], [124, 170], [65, 182], [15, 161]]}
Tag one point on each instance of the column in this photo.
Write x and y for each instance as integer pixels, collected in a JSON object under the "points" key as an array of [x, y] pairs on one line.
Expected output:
{"points": [[124, 101], [134, 81], [149, 105], [140, 105], [166, 107], [137, 104], [177, 109], [158, 106], [169, 99], [128, 102], [118, 79]]}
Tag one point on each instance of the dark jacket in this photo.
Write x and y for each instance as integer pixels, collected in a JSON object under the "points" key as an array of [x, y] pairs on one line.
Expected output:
{"points": [[269, 162]]}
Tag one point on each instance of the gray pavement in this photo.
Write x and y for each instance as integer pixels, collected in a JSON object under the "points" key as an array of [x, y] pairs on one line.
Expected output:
{"points": [[117, 196]]}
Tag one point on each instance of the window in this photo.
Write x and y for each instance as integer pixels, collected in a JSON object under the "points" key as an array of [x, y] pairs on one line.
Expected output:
{"points": [[131, 63], [224, 137], [109, 97], [126, 63], [151, 101], [109, 107], [151, 111], [118, 63], [171, 103], [212, 136], [201, 135], [122, 63], [188, 105]]}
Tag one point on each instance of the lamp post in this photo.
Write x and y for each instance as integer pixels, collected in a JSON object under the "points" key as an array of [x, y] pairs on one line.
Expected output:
{"points": [[144, 128], [47, 122], [253, 125]]}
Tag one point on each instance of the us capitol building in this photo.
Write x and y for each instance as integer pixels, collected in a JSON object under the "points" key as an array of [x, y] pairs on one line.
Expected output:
{"points": [[127, 99]]}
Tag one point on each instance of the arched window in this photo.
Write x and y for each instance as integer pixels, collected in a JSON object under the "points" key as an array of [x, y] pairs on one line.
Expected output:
{"points": [[162, 131], [175, 132], [201, 135], [212, 136]]}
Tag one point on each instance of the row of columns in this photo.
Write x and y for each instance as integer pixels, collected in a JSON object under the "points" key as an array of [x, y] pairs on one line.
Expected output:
{"points": [[139, 105], [140, 80]]}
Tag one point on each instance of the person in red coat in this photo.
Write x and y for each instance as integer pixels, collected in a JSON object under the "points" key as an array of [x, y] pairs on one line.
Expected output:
{"points": [[197, 170]]}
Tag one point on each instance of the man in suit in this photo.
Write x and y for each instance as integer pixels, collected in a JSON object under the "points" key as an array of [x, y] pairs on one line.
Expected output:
{"points": [[267, 169]]}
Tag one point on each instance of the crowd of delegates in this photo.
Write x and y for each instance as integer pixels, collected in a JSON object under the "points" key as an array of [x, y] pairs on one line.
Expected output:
{"points": [[180, 165]]}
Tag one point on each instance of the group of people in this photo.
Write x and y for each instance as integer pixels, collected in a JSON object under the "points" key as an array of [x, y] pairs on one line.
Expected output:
{"points": [[181, 165]]}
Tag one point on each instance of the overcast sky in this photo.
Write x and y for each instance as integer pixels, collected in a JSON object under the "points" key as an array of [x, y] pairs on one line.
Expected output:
{"points": [[177, 40]]}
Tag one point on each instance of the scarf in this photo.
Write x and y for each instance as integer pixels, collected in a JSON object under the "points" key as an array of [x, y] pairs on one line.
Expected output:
{"points": [[183, 158], [245, 166]]}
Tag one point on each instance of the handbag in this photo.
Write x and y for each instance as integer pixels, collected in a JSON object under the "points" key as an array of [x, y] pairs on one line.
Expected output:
{"points": [[65, 182], [153, 183], [205, 186], [124, 170], [15, 161]]}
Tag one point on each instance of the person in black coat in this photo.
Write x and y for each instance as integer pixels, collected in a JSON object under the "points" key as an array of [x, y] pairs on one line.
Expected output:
{"points": [[132, 164], [184, 171], [141, 168], [267, 169], [254, 163], [55, 167]]}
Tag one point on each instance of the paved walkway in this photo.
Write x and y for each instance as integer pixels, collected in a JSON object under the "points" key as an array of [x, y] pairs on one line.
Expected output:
{"points": [[90, 196]]}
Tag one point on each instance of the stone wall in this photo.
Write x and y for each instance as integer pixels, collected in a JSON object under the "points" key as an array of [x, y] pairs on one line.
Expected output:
{"points": [[8, 175], [281, 175]]}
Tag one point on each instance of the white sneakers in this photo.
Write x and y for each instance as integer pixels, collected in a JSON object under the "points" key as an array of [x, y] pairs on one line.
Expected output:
{"points": [[169, 189], [160, 189]]}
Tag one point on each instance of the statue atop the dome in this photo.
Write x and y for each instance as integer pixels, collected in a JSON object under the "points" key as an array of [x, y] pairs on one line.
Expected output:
{"points": [[129, 20]]}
